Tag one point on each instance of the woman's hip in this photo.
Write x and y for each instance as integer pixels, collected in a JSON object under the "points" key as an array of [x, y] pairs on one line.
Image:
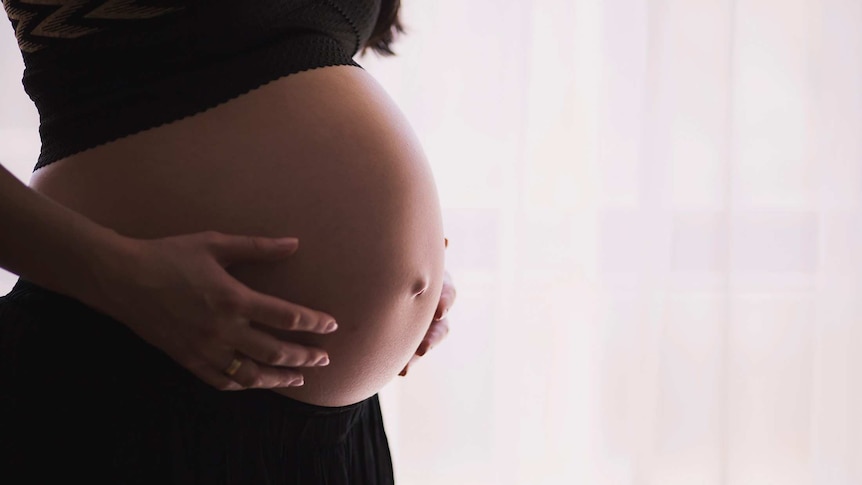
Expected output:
{"points": [[82, 394]]}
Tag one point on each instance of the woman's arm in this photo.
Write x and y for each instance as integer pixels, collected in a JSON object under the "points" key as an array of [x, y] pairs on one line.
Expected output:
{"points": [[173, 292], [51, 245]]}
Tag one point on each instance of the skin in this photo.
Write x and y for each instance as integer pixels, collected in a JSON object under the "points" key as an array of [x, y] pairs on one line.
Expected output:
{"points": [[323, 156], [439, 328]]}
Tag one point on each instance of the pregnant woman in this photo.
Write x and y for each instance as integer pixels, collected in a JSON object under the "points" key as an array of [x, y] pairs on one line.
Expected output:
{"points": [[188, 147]]}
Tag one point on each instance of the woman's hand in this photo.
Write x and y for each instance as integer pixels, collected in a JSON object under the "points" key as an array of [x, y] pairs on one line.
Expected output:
{"points": [[175, 293], [440, 325]]}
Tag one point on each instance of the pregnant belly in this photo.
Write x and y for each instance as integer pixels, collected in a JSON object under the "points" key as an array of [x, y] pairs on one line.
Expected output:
{"points": [[322, 155]]}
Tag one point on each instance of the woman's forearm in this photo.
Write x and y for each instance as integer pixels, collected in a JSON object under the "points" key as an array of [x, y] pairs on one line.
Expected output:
{"points": [[50, 244]]}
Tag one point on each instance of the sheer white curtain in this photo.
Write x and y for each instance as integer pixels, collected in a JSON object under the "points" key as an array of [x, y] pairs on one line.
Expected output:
{"points": [[654, 210], [655, 219]]}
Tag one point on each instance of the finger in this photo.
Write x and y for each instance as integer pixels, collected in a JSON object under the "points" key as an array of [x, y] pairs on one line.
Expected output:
{"points": [[229, 248], [250, 374], [447, 298], [266, 349], [435, 334], [424, 347], [217, 379], [205, 372], [279, 313], [216, 363]]}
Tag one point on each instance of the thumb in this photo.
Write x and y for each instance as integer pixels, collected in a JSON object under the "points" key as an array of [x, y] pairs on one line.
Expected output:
{"points": [[233, 249]]}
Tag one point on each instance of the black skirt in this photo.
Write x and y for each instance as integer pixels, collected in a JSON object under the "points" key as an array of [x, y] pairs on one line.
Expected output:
{"points": [[82, 398]]}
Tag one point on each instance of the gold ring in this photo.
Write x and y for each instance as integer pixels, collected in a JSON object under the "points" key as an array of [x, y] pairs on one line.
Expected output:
{"points": [[234, 366]]}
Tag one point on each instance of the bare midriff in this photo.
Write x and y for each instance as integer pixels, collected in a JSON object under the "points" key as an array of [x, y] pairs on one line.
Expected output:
{"points": [[322, 155]]}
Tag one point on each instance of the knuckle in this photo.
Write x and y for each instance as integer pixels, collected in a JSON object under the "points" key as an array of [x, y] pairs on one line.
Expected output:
{"points": [[294, 360], [290, 376], [290, 359], [229, 300], [275, 357], [211, 333], [246, 380], [256, 242], [223, 386], [212, 238], [294, 321], [257, 381]]}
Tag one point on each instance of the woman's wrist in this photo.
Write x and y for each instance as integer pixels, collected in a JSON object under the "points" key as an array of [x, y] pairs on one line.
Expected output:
{"points": [[53, 246], [105, 258]]}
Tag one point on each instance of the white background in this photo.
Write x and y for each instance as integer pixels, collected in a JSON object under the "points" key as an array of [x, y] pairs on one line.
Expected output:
{"points": [[654, 211]]}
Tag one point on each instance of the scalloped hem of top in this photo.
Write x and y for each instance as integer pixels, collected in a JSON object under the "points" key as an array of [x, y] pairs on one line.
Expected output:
{"points": [[184, 97]]}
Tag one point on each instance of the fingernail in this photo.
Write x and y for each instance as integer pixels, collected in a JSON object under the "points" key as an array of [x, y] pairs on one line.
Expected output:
{"points": [[323, 361], [287, 242], [298, 382], [403, 372], [422, 350], [331, 327]]}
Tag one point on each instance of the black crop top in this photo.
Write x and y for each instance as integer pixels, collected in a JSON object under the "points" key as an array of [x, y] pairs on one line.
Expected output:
{"points": [[98, 70]]}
